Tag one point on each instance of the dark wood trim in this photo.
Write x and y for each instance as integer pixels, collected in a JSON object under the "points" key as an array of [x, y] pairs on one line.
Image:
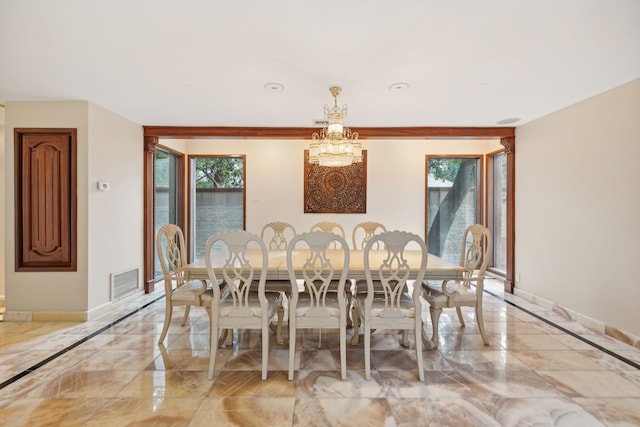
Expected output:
{"points": [[187, 132], [490, 198], [46, 224], [506, 135], [510, 149], [150, 144]]}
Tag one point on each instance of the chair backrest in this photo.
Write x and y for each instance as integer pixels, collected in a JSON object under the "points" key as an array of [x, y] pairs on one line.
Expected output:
{"points": [[171, 251], [329, 227], [475, 250], [391, 267], [364, 231], [237, 268], [277, 234], [317, 270]]}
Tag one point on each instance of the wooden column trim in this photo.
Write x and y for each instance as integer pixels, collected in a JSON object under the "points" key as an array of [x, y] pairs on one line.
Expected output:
{"points": [[510, 150], [150, 144]]}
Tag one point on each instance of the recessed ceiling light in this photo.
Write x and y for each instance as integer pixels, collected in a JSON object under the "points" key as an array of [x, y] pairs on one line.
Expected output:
{"points": [[508, 121], [398, 87], [274, 87]]}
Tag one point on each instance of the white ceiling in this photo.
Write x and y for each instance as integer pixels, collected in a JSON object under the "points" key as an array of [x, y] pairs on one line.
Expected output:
{"points": [[206, 62]]}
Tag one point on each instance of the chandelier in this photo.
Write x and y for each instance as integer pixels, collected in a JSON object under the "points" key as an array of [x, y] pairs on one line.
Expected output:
{"points": [[335, 145]]}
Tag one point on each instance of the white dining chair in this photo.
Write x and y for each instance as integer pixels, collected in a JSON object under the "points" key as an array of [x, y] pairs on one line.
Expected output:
{"points": [[318, 299], [361, 234], [329, 227], [363, 231], [393, 298], [248, 306], [276, 235], [179, 291], [468, 290]]}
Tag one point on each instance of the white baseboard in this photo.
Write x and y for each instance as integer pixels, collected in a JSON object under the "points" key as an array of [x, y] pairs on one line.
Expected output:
{"points": [[586, 321]]}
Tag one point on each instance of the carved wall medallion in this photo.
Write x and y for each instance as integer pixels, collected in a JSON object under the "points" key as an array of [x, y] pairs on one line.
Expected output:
{"points": [[335, 190]]}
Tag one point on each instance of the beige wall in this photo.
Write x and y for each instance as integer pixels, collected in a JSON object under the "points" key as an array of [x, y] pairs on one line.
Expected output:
{"points": [[115, 228], [395, 179], [578, 207], [2, 257], [109, 148], [577, 204]]}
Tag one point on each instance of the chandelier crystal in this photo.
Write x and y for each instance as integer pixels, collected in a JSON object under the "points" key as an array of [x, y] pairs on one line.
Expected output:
{"points": [[335, 145]]}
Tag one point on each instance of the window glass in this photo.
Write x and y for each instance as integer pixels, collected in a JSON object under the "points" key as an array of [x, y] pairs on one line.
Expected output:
{"points": [[500, 212], [452, 203], [217, 198], [165, 195]]}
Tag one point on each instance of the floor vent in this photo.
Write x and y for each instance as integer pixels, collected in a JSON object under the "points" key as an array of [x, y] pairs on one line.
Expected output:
{"points": [[124, 283]]}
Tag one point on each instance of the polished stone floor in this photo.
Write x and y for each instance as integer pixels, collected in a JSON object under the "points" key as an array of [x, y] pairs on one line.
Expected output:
{"points": [[112, 372]]}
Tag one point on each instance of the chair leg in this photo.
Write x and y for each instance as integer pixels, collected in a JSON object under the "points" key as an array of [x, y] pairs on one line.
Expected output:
{"points": [[460, 318], [279, 337], [435, 317], [187, 308], [418, 337], [405, 337], [355, 315], [292, 343], [367, 351], [480, 321], [223, 337], [167, 321], [265, 347], [343, 349], [213, 347]]}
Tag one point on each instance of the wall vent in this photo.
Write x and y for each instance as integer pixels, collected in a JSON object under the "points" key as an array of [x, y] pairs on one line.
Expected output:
{"points": [[320, 122], [124, 283]]}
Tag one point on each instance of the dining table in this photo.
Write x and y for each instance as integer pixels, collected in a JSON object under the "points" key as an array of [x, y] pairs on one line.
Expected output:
{"points": [[277, 279], [277, 270]]}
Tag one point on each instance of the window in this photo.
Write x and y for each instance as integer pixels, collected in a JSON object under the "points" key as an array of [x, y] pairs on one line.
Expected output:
{"points": [[166, 195], [453, 202], [497, 209], [217, 198]]}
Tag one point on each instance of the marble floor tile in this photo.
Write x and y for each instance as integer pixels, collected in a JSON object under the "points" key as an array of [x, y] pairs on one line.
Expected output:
{"points": [[557, 360], [441, 411], [560, 411], [592, 383], [245, 412], [48, 412], [111, 371], [517, 384], [347, 412], [330, 384], [613, 411], [483, 360], [167, 384], [144, 412]]}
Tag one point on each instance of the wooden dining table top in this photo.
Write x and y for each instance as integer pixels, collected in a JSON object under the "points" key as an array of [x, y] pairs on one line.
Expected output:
{"points": [[437, 268]]}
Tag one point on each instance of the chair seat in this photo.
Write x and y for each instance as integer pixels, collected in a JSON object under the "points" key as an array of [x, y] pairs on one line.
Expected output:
{"points": [[460, 293], [407, 309], [331, 307], [189, 291], [274, 300]]}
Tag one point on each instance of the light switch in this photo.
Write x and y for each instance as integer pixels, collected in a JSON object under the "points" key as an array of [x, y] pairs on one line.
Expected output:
{"points": [[103, 186]]}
